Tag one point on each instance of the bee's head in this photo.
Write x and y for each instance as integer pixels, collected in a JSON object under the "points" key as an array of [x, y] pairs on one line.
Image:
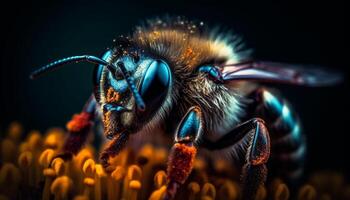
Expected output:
{"points": [[133, 89], [161, 64]]}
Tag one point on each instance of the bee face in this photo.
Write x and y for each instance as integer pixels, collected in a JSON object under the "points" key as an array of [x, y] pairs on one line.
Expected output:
{"points": [[152, 80]]}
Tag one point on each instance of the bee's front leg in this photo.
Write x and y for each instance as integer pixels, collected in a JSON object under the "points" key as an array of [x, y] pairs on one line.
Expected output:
{"points": [[184, 150], [78, 129], [113, 149]]}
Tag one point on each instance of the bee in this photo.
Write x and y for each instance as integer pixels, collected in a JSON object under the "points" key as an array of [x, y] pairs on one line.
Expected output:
{"points": [[201, 89]]}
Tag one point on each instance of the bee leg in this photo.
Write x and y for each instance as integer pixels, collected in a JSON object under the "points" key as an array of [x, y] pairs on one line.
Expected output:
{"points": [[254, 171], [184, 150], [287, 141], [78, 128], [113, 149]]}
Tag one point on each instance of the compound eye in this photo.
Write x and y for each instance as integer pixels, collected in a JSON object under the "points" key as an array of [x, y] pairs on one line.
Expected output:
{"points": [[213, 73], [155, 85]]}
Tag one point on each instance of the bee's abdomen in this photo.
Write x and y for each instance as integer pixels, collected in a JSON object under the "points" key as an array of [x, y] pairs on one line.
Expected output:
{"points": [[287, 143]]}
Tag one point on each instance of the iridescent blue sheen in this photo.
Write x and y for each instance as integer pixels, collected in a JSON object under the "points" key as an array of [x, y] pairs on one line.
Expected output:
{"points": [[154, 86], [114, 108], [189, 127], [99, 69], [58, 63], [157, 71], [212, 71], [272, 102], [280, 108]]}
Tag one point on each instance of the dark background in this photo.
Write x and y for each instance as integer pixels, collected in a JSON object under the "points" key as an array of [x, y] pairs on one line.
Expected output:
{"points": [[32, 34]]}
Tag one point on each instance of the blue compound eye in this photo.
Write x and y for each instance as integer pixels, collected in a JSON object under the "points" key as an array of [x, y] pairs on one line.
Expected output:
{"points": [[155, 86], [213, 73]]}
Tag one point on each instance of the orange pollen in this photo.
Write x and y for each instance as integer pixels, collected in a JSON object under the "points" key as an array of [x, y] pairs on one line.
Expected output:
{"points": [[79, 122], [155, 35], [189, 52], [107, 118], [112, 96], [261, 159], [181, 162], [190, 57]]}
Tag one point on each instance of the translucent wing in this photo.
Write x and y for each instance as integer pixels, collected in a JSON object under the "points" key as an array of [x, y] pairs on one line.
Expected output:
{"points": [[279, 73]]}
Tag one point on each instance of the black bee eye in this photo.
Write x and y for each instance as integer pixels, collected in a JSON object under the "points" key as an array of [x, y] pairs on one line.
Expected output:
{"points": [[155, 85]]}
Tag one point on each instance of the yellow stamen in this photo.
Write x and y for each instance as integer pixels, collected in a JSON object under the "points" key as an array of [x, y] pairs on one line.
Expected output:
{"points": [[208, 191], [89, 167], [261, 194], [15, 131], [61, 187], [228, 190], [114, 184], [49, 177], [160, 179], [282, 192], [35, 141], [307, 192], [10, 178], [158, 194], [134, 173], [59, 166], [194, 189], [8, 151], [46, 157], [25, 162], [134, 186], [100, 175], [54, 138], [82, 156]]}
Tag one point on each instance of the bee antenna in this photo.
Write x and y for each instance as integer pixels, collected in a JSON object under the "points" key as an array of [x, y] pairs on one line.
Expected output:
{"points": [[95, 60], [59, 63]]}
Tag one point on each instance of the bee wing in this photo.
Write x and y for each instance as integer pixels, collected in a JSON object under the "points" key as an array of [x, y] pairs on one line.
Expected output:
{"points": [[280, 73]]}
